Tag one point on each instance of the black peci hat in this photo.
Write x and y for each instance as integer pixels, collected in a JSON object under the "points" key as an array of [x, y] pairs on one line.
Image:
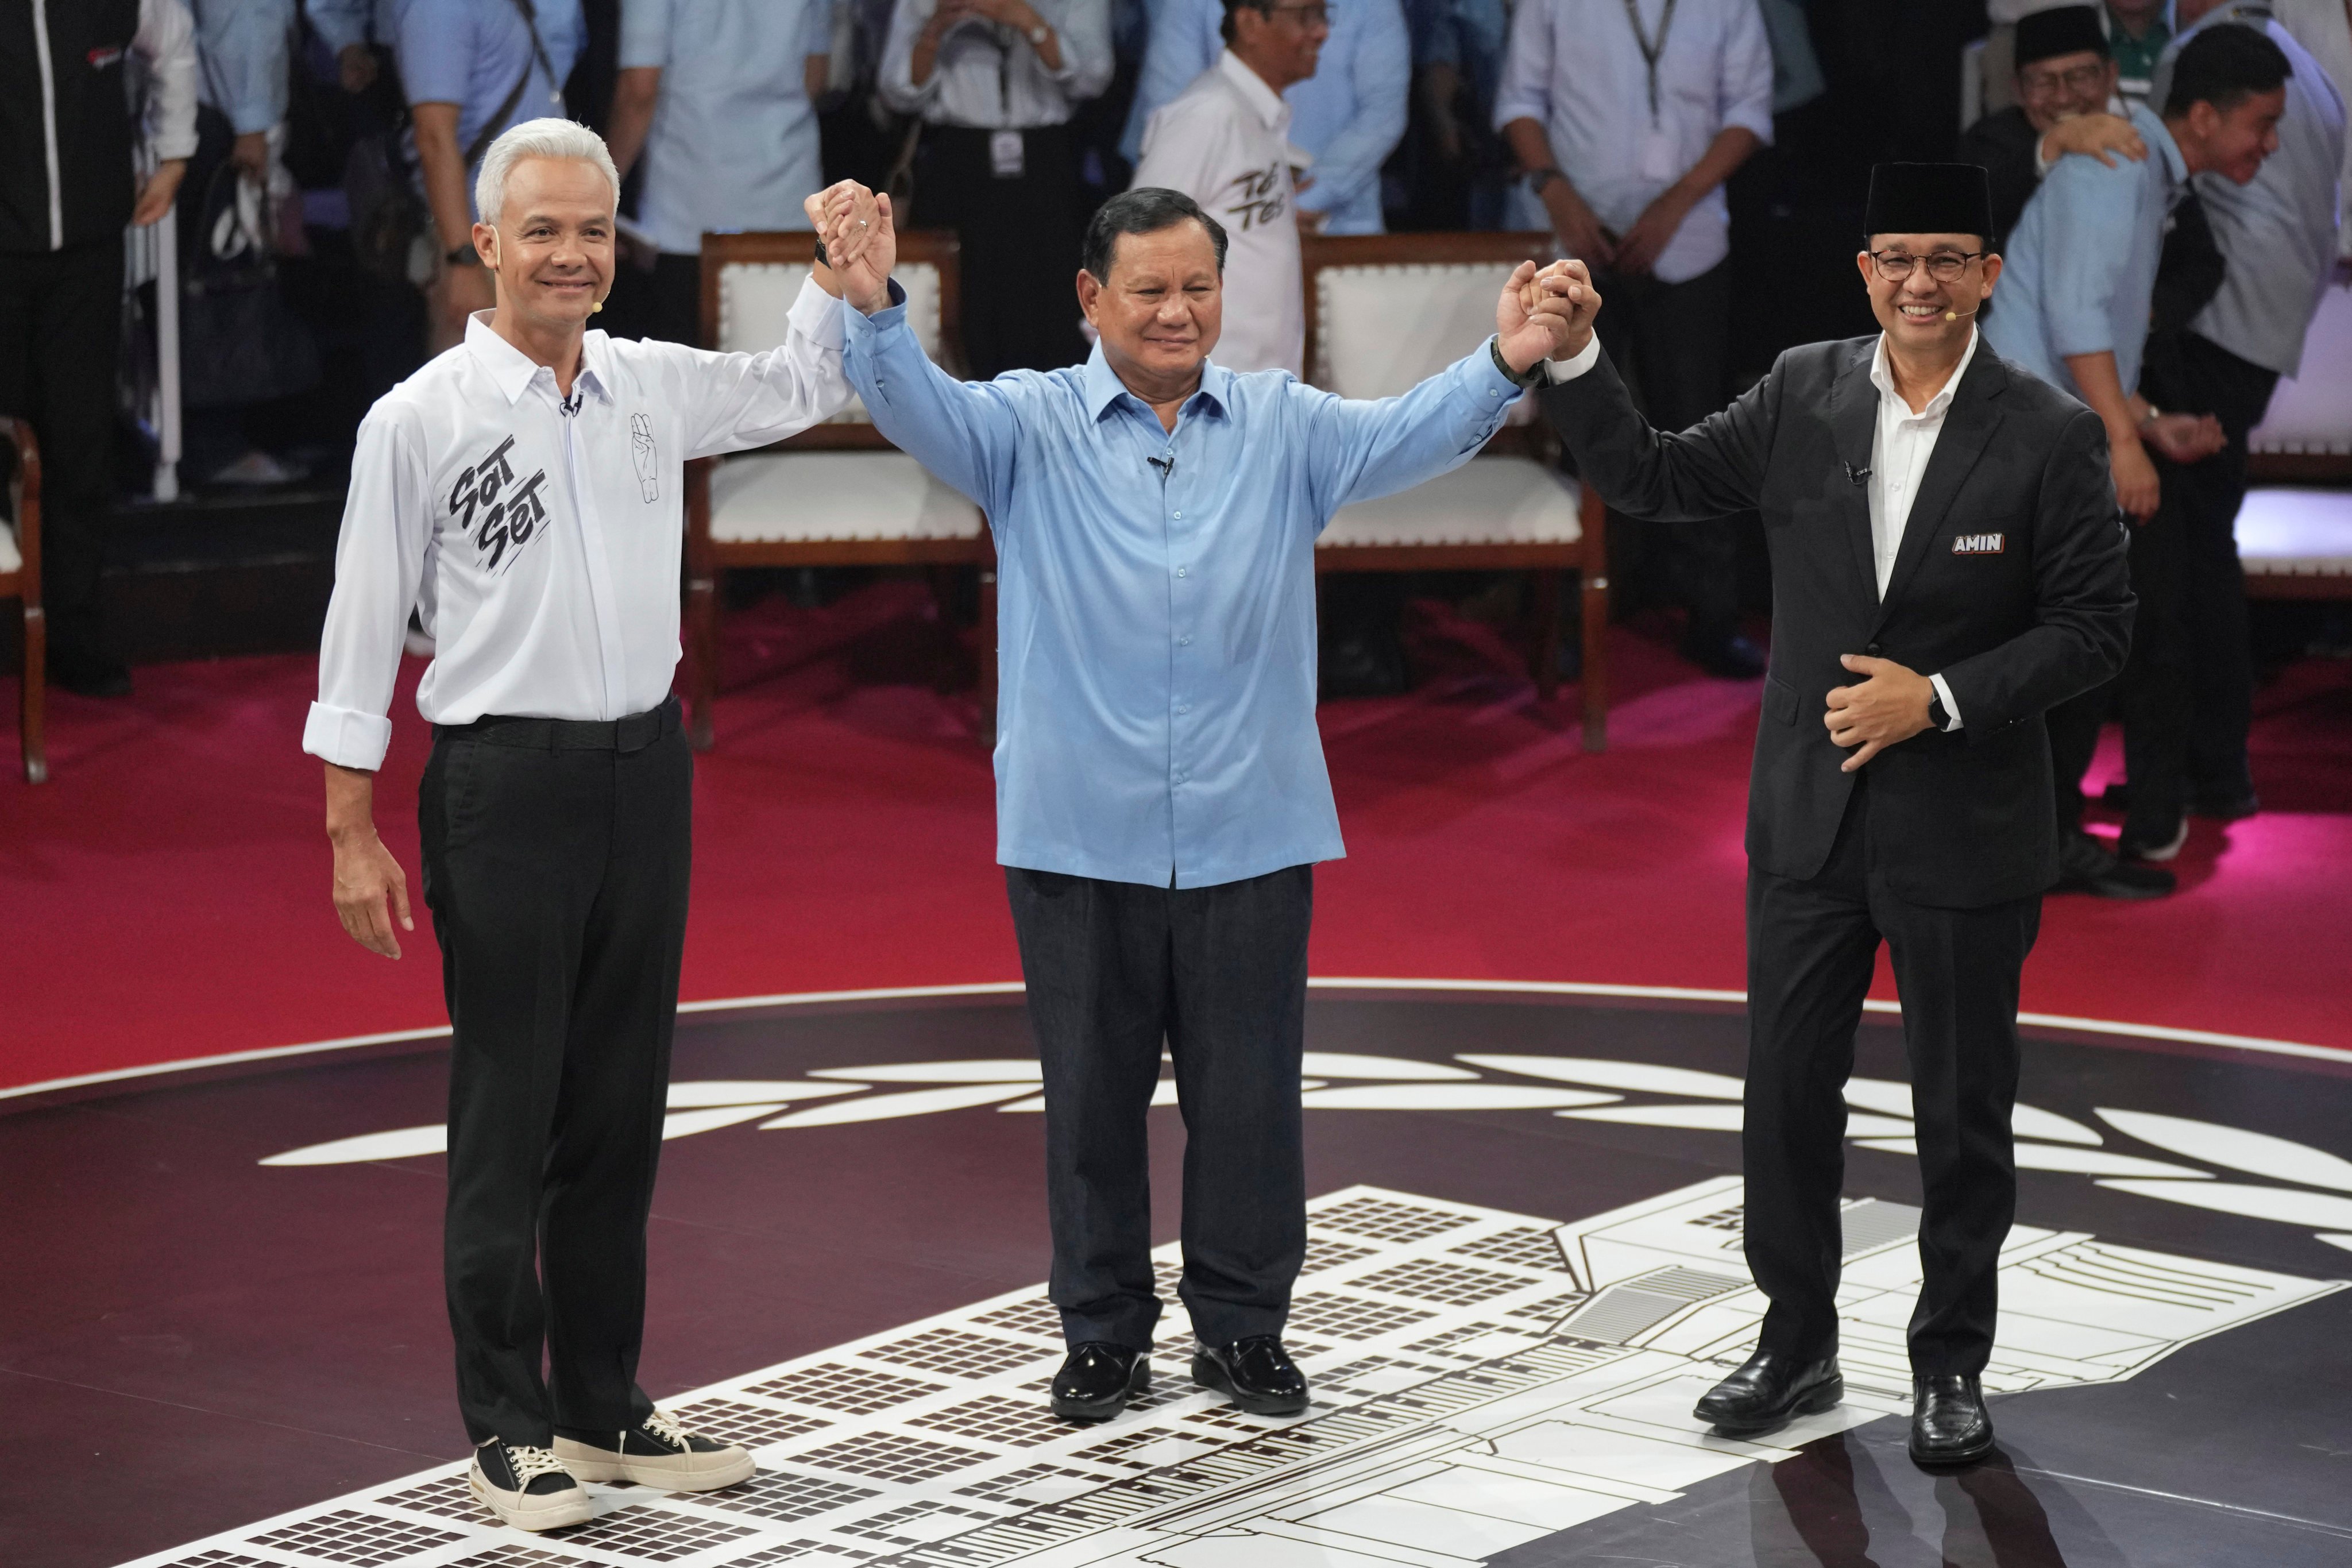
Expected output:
{"points": [[2061, 30], [1928, 199]]}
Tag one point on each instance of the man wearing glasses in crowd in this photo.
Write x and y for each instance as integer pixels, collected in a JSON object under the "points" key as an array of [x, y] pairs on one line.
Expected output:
{"points": [[1947, 566], [2065, 103]]}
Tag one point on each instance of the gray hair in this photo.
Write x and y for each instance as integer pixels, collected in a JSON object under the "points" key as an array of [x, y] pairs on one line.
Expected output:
{"points": [[536, 139]]}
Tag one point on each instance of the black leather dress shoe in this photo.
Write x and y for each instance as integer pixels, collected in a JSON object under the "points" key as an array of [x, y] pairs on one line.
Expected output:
{"points": [[1097, 1379], [2085, 866], [1771, 1390], [1948, 1424], [1256, 1374]]}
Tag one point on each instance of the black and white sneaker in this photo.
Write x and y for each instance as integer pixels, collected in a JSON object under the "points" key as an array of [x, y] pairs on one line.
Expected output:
{"points": [[657, 1452], [529, 1489]]}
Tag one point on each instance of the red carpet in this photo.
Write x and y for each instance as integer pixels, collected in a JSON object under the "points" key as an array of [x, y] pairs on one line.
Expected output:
{"points": [[165, 895]]}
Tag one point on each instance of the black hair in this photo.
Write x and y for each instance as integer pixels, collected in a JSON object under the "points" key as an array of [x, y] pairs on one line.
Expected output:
{"points": [[2224, 65], [1225, 27], [1147, 209]]}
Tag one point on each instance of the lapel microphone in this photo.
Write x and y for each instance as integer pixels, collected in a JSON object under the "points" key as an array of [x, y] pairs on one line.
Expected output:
{"points": [[1854, 474]]}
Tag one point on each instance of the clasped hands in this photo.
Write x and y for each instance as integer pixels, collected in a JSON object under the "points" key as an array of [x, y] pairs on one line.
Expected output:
{"points": [[861, 246]]}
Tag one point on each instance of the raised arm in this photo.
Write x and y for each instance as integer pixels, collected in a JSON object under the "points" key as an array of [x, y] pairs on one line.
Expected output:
{"points": [[734, 400], [965, 432], [1360, 449], [1715, 467]]}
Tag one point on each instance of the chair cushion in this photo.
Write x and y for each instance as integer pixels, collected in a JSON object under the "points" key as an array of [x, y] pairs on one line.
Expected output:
{"points": [[1487, 500], [2312, 412], [807, 497], [1380, 329], [9, 558], [755, 307], [2295, 533]]}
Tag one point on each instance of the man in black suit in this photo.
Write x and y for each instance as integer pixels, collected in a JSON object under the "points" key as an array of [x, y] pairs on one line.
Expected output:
{"points": [[1948, 563]]}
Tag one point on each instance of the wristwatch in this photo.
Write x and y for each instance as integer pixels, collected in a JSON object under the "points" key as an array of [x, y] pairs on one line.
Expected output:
{"points": [[1937, 718], [1523, 379], [465, 256]]}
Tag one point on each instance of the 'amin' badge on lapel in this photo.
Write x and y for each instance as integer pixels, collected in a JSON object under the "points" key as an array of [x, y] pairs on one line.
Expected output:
{"points": [[1979, 543]]}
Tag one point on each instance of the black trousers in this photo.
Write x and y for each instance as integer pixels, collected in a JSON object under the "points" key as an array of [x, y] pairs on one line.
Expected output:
{"points": [[2206, 378], [1811, 948], [1019, 238], [2152, 693], [1673, 337], [61, 336], [556, 862], [1115, 970]]}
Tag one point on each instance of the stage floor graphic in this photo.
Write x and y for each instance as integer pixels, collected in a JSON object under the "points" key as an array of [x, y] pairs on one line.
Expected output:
{"points": [[1525, 1266]]}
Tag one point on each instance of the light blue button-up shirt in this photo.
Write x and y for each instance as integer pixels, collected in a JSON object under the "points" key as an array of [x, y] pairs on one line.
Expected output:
{"points": [[471, 53], [2080, 267], [1156, 627], [1348, 115], [734, 141], [241, 46]]}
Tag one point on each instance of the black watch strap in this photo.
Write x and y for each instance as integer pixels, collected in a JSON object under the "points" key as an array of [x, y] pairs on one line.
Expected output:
{"points": [[1936, 716], [1531, 376], [822, 259]]}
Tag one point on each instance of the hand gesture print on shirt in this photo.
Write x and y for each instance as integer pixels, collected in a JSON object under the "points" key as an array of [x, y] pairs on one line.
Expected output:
{"points": [[641, 441]]}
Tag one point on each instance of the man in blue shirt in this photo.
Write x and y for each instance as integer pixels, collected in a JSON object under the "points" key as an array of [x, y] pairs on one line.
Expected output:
{"points": [[473, 68], [1161, 796], [1348, 116], [719, 96], [2075, 298]]}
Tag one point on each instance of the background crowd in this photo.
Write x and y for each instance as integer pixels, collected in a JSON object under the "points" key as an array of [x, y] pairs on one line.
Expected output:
{"points": [[1708, 157]]}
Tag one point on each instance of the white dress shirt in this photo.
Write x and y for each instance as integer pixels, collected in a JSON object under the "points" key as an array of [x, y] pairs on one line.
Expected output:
{"points": [[1225, 143], [990, 77], [1576, 68], [1900, 445], [541, 547]]}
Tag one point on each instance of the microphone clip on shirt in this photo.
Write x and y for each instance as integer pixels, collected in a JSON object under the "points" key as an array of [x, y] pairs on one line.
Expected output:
{"points": [[1856, 476], [1167, 467]]}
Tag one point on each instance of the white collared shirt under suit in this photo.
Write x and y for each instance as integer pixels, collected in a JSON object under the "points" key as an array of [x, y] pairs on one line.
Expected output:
{"points": [[539, 537]]}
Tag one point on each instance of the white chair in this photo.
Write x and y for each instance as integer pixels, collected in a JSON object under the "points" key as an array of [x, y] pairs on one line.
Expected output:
{"points": [[839, 494], [1384, 312], [20, 579], [2307, 433], [2296, 544]]}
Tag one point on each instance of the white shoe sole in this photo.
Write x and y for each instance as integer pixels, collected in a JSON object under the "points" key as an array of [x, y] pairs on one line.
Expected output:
{"points": [[681, 1473], [2160, 852], [558, 1516]]}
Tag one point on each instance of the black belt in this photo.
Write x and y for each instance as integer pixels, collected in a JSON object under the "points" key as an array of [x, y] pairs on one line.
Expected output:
{"points": [[634, 733]]}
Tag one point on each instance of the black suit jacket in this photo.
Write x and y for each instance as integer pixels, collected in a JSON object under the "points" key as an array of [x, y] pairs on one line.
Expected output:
{"points": [[2003, 145], [2011, 583]]}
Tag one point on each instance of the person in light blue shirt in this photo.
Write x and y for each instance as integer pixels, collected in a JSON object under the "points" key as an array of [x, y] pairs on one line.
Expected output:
{"points": [[1161, 797], [461, 63], [2074, 310], [2278, 239], [242, 46], [1348, 116], [718, 97]]}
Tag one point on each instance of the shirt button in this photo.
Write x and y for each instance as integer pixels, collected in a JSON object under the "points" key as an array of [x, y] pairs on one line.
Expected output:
{"points": [[1874, 649], [1183, 707], [1179, 571], [1180, 514], [1184, 642]]}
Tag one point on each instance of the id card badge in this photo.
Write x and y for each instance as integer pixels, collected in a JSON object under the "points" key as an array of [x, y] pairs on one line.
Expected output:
{"points": [[1657, 160], [1004, 155]]}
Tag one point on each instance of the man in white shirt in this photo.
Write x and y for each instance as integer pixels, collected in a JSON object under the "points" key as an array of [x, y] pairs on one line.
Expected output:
{"points": [[1627, 116], [1225, 143], [522, 491]]}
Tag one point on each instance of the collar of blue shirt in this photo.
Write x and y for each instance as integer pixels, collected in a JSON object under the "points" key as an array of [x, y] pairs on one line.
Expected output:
{"points": [[1105, 388], [513, 370]]}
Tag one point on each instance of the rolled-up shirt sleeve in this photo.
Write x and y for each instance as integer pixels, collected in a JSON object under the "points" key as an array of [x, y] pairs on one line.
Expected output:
{"points": [[243, 48], [2087, 246], [1382, 73], [644, 34], [1524, 91], [733, 401], [1083, 29], [167, 40], [1745, 86], [379, 563]]}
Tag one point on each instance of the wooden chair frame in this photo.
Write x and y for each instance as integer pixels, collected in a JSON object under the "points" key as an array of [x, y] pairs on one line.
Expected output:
{"points": [[707, 558], [23, 586], [1587, 556]]}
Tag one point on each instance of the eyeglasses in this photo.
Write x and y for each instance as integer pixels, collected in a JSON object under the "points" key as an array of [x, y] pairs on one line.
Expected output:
{"points": [[1944, 265], [2042, 84]]}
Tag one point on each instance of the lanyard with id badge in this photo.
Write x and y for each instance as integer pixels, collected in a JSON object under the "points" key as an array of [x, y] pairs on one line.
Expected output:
{"points": [[1007, 159], [1656, 160]]}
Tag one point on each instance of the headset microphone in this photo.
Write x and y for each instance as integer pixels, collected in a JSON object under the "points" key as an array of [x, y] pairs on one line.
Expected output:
{"points": [[1956, 315]]}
